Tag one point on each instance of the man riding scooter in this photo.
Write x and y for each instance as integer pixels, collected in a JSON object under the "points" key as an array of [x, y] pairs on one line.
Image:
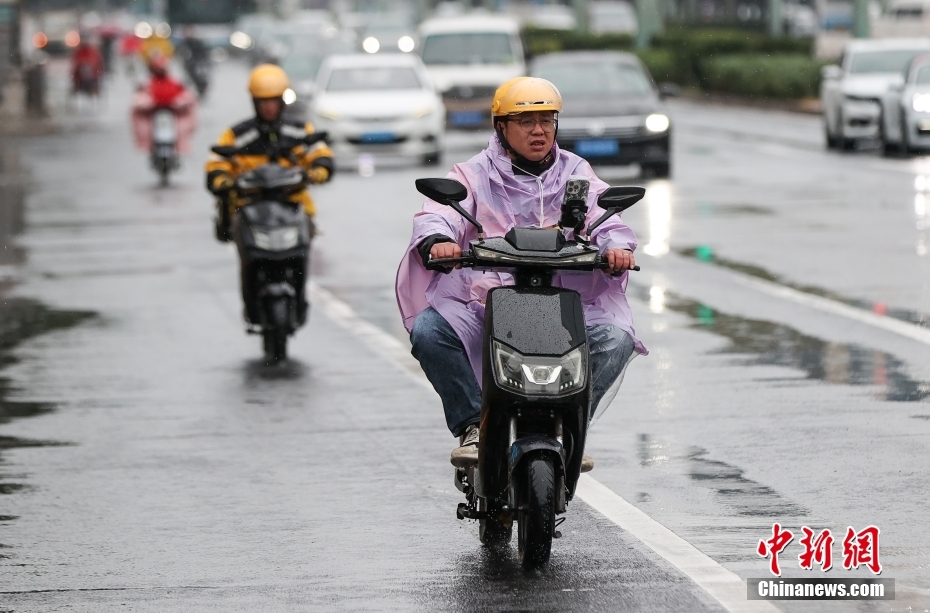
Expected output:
{"points": [[263, 139], [518, 180]]}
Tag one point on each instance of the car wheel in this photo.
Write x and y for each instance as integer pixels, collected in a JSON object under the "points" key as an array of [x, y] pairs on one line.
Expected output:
{"points": [[888, 148], [432, 159], [832, 142], [905, 145], [659, 170]]}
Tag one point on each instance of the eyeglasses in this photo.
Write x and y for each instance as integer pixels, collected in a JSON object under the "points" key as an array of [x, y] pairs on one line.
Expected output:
{"points": [[528, 125]]}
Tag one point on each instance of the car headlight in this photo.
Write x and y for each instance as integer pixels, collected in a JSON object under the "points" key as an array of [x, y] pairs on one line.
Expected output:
{"points": [[539, 376], [277, 239], [657, 122], [582, 259], [289, 96], [423, 111], [329, 113], [921, 103]]}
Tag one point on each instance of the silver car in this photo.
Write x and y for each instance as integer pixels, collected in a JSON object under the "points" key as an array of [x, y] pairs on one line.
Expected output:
{"points": [[852, 92], [906, 111]]}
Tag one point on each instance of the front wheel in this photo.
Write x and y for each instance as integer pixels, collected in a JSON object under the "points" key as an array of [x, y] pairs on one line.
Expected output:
{"points": [[536, 519], [275, 342]]}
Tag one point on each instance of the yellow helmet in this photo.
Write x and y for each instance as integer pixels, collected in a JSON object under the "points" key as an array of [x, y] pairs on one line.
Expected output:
{"points": [[268, 81], [526, 94]]}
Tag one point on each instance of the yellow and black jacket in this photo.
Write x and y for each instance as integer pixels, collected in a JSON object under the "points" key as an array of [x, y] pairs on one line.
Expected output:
{"points": [[257, 141]]}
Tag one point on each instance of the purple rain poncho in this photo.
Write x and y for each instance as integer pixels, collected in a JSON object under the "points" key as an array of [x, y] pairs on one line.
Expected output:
{"points": [[500, 200]]}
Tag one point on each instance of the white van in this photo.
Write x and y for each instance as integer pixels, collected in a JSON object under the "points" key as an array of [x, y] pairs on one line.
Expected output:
{"points": [[467, 58]]}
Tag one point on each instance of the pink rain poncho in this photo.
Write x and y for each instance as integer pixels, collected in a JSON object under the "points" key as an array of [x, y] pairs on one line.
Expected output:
{"points": [[500, 200]]}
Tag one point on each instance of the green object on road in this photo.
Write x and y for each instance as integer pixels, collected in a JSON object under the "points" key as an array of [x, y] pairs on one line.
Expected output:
{"points": [[704, 253]]}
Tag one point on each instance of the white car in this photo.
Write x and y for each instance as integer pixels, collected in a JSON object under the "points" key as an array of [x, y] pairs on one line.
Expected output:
{"points": [[852, 92], [468, 57], [380, 104], [906, 111]]}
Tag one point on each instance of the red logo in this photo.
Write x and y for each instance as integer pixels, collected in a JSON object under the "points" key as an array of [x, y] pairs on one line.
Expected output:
{"points": [[859, 548]]}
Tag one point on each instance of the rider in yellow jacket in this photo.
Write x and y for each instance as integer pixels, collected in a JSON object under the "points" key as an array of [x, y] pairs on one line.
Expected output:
{"points": [[263, 137]]}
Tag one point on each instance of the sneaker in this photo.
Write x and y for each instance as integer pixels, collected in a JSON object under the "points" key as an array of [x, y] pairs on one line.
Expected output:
{"points": [[467, 452], [587, 463]]}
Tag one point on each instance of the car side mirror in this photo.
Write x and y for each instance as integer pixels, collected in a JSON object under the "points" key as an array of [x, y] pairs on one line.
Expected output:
{"points": [[616, 200], [450, 193], [831, 72], [669, 90]]}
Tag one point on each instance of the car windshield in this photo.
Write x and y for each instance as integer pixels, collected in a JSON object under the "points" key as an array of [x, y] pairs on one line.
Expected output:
{"points": [[373, 78], [895, 60], [473, 48], [301, 68], [585, 79]]}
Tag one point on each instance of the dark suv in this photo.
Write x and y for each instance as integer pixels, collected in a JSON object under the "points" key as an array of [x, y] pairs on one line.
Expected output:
{"points": [[612, 109]]}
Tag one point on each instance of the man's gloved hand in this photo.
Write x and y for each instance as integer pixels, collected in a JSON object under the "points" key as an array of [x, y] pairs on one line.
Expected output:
{"points": [[317, 175], [223, 183]]}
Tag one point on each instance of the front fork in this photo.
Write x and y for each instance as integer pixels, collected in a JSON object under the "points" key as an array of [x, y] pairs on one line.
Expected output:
{"points": [[478, 507]]}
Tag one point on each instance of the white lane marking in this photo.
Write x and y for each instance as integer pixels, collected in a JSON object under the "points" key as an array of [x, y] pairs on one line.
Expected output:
{"points": [[720, 583], [717, 581], [903, 328]]}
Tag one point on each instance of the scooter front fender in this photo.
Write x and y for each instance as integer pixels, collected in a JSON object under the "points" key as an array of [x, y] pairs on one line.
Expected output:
{"points": [[536, 443]]}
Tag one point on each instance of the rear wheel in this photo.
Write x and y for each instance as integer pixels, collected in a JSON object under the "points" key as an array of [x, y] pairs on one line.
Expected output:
{"points": [[432, 159], [536, 520]]}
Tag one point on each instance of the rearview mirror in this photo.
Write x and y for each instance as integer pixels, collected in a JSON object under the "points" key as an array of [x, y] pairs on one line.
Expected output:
{"points": [[226, 152], [620, 197], [448, 192], [312, 139], [442, 190], [616, 200], [669, 90]]}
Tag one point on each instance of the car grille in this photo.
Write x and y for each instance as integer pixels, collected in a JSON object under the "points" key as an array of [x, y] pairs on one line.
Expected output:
{"points": [[469, 92], [584, 133], [369, 143]]}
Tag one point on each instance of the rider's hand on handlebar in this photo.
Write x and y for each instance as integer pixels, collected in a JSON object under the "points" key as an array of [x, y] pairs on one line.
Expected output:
{"points": [[317, 175], [445, 250], [223, 183], [619, 260]]}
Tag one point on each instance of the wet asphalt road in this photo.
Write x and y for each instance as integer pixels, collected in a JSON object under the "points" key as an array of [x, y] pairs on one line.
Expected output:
{"points": [[150, 460]]}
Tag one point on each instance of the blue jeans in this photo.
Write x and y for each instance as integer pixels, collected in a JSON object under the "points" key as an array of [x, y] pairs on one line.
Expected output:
{"points": [[442, 357]]}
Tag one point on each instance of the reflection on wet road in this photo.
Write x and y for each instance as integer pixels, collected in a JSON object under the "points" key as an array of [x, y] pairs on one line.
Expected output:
{"points": [[775, 344]]}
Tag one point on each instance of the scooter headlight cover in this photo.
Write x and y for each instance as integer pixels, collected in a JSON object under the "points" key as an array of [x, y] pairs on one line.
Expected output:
{"points": [[277, 239], [539, 376]]}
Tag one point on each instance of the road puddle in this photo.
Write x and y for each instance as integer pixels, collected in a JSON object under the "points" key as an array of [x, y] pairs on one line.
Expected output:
{"points": [[743, 496], [706, 254], [22, 319], [774, 344]]}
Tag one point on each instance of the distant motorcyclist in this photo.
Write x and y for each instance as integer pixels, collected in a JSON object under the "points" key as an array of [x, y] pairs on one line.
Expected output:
{"points": [[87, 68], [196, 57], [263, 139], [518, 180], [163, 92]]}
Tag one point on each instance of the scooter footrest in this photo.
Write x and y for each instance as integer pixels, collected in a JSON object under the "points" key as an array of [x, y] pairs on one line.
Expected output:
{"points": [[464, 512]]}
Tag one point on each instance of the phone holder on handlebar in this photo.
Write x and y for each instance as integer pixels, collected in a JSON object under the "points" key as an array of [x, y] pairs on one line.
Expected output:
{"points": [[450, 193]]}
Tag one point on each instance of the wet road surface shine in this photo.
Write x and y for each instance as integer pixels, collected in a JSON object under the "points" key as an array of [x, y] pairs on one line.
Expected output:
{"points": [[198, 479]]}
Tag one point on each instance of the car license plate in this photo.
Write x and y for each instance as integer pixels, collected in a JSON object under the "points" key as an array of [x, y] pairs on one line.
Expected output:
{"points": [[467, 118], [599, 147], [378, 137]]}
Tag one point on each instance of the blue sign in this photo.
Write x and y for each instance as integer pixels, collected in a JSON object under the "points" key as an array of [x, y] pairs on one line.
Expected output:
{"points": [[467, 118]]}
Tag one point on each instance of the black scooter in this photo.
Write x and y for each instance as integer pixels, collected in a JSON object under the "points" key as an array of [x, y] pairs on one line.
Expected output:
{"points": [[536, 374], [273, 238]]}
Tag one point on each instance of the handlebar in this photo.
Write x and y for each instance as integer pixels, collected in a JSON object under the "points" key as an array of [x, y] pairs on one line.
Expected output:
{"points": [[468, 260]]}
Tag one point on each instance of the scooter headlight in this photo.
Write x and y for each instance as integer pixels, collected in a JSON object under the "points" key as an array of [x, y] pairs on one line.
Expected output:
{"points": [[539, 376], [277, 239]]}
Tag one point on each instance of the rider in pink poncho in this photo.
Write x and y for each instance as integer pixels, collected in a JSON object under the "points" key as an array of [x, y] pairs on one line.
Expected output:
{"points": [[518, 180]]}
